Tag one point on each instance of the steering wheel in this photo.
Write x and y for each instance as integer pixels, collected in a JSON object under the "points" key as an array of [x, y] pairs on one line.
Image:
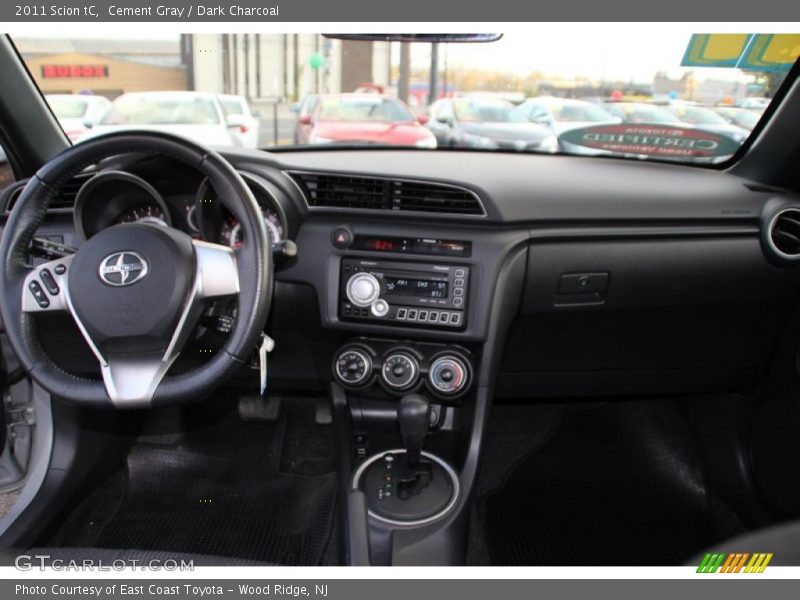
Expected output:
{"points": [[135, 291]]}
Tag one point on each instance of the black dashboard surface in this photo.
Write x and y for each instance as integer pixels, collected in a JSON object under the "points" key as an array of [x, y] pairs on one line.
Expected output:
{"points": [[691, 302], [521, 188]]}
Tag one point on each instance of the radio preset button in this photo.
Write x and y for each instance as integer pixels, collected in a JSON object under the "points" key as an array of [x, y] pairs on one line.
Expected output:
{"points": [[401, 313], [458, 291], [458, 301], [460, 272], [455, 318], [423, 315], [412, 315], [458, 283]]}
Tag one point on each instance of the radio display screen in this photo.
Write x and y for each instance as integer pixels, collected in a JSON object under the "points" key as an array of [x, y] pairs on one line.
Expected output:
{"points": [[426, 288]]}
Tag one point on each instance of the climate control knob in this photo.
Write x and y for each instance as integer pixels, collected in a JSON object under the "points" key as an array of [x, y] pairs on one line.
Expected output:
{"points": [[352, 367], [363, 289], [400, 371], [448, 375]]}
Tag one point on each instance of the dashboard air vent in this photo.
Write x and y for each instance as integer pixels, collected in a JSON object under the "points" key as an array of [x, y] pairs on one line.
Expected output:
{"points": [[64, 201], [784, 233], [329, 190]]}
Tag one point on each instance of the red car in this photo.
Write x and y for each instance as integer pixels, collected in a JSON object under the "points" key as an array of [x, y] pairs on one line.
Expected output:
{"points": [[366, 118]]}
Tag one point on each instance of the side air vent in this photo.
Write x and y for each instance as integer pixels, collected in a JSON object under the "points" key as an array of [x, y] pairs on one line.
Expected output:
{"points": [[335, 190], [64, 201], [783, 235]]}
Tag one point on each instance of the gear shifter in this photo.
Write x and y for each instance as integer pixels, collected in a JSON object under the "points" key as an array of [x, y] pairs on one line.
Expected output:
{"points": [[413, 418]]}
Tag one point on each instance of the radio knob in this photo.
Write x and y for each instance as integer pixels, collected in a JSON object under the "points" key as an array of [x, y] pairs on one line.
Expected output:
{"points": [[380, 308], [363, 289]]}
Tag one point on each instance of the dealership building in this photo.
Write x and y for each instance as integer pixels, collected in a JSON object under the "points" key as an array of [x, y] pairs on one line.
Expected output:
{"points": [[269, 67]]}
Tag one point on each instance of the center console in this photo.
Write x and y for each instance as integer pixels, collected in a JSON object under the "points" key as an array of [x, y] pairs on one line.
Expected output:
{"points": [[412, 323]]}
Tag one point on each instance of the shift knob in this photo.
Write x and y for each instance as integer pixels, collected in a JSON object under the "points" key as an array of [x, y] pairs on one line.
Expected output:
{"points": [[413, 418]]}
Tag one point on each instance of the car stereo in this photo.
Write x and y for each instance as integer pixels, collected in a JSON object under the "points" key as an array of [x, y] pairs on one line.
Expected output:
{"points": [[418, 294]]}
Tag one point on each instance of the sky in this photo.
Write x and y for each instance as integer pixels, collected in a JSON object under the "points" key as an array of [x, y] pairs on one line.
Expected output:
{"points": [[628, 52]]}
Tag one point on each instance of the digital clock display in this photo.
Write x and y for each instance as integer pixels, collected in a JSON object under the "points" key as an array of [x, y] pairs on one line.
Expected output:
{"points": [[412, 245]]}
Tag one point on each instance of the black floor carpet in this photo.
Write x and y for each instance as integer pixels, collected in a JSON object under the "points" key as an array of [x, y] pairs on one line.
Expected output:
{"points": [[610, 484], [250, 490]]}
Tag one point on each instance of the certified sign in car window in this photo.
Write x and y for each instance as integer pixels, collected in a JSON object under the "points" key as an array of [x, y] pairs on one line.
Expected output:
{"points": [[651, 140]]}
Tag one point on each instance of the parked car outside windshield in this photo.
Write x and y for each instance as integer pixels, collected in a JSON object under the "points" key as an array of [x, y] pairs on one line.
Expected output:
{"points": [[487, 123], [367, 119], [193, 115], [707, 120], [76, 113]]}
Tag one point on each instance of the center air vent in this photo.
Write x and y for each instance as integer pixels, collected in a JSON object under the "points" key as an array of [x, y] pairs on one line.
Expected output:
{"points": [[784, 233], [336, 190]]}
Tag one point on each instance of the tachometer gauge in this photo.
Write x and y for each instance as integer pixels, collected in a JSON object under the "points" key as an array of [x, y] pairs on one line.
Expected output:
{"points": [[230, 233], [144, 213]]}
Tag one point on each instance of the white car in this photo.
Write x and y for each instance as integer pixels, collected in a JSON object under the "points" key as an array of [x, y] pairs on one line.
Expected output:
{"points": [[706, 119], [76, 113], [197, 116], [564, 114], [237, 111]]}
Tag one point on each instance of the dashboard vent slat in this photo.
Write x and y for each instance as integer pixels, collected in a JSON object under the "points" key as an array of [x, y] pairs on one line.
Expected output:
{"points": [[784, 233], [337, 190], [65, 200]]}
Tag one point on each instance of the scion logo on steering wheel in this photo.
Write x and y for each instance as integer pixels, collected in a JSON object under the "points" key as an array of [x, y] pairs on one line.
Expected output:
{"points": [[123, 268]]}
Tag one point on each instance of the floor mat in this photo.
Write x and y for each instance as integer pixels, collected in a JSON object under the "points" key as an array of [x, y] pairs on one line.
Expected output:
{"points": [[221, 490], [610, 484]]}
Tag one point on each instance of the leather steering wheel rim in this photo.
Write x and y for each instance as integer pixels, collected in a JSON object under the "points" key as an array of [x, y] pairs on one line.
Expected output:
{"points": [[253, 265]]}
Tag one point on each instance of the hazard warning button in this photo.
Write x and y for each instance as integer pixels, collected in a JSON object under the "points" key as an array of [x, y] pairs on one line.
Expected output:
{"points": [[342, 237]]}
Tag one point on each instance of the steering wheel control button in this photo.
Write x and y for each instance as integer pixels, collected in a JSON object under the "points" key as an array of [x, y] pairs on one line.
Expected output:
{"points": [[341, 237], [363, 289], [60, 269], [380, 308], [448, 375], [49, 281], [399, 371], [353, 367], [38, 294]]}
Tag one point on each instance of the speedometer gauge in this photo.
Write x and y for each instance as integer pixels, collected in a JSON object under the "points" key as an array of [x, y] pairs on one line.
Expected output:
{"points": [[144, 213], [216, 223], [230, 231]]}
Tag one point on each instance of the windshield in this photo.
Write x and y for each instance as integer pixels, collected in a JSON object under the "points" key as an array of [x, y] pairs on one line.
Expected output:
{"points": [[578, 112], [486, 111], [649, 94], [354, 108], [68, 107], [232, 106], [697, 115], [641, 113], [146, 109]]}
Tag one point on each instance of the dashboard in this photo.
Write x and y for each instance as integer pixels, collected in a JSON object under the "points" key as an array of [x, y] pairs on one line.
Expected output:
{"points": [[543, 276]]}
